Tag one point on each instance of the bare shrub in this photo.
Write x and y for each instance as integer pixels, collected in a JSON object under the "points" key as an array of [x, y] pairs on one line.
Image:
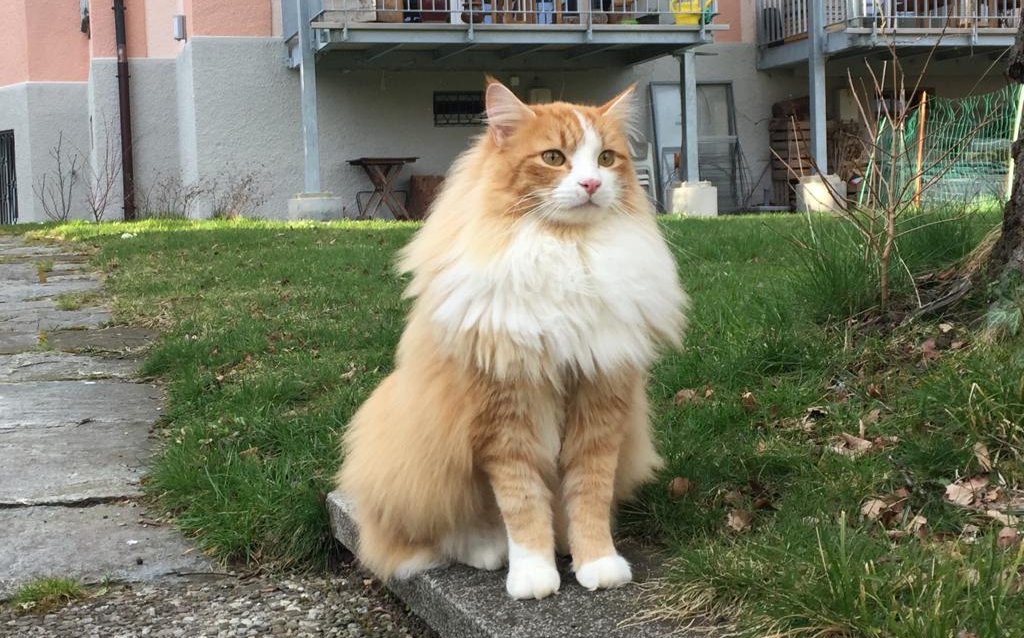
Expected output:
{"points": [[103, 174], [55, 189], [170, 197], [238, 194]]}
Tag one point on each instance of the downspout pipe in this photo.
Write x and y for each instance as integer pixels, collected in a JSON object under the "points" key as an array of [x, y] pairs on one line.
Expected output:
{"points": [[125, 108]]}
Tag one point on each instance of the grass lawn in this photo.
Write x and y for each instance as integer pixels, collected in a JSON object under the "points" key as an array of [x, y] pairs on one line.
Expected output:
{"points": [[812, 457]]}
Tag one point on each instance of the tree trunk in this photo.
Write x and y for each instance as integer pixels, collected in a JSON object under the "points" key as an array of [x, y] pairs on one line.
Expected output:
{"points": [[1008, 253]]}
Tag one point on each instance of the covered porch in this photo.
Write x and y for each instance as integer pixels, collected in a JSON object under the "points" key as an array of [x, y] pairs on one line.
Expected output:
{"points": [[334, 38]]}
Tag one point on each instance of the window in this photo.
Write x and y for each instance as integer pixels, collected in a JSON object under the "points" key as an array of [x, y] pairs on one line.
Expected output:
{"points": [[458, 108]]}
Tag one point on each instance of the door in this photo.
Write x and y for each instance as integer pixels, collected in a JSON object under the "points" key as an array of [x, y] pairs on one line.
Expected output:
{"points": [[718, 151], [8, 183]]}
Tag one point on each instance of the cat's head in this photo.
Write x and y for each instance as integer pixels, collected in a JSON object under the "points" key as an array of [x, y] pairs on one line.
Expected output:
{"points": [[563, 163]]}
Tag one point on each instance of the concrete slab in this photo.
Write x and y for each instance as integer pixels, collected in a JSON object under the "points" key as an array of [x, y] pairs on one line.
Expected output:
{"points": [[90, 544], [14, 342], [54, 319], [25, 291], [62, 366], [26, 271], [51, 404], [461, 602], [112, 339], [21, 249], [73, 464]]}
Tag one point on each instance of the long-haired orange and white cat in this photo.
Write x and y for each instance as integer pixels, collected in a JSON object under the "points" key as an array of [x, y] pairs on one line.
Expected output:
{"points": [[516, 417]]}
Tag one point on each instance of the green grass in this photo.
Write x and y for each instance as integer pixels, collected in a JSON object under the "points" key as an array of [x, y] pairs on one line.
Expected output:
{"points": [[44, 595], [275, 333]]}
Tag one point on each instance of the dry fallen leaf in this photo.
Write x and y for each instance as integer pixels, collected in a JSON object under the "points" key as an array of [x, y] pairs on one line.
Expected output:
{"points": [[874, 391], [959, 494], [679, 487], [733, 497], [739, 520], [1007, 520], [749, 401], [686, 395], [982, 456], [929, 351], [963, 633], [872, 417], [917, 525], [945, 327], [709, 392], [873, 508], [1007, 538], [850, 445], [761, 447]]}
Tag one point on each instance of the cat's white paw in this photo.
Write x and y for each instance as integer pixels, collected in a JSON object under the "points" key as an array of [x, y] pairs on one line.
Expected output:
{"points": [[532, 577], [605, 572]]}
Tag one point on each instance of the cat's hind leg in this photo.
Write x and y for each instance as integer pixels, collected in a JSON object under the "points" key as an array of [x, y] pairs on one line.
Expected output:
{"points": [[480, 546], [389, 555]]}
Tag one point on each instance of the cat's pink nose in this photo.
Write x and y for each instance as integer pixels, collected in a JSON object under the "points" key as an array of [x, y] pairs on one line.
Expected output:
{"points": [[590, 185]]}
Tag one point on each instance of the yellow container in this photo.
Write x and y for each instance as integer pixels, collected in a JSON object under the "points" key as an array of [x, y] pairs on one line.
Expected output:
{"points": [[688, 12]]}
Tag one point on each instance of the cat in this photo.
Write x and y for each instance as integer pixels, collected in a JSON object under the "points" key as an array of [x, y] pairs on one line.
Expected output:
{"points": [[516, 417]]}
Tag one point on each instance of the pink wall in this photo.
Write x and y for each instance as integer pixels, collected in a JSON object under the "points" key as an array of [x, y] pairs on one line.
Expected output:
{"points": [[28, 51], [57, 48], [13, 52], [730, 12], [101, 19], [229, 17]]}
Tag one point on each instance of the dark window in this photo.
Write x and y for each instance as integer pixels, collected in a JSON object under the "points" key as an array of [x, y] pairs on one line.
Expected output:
{"points": [[8, 183], [458, 108]]}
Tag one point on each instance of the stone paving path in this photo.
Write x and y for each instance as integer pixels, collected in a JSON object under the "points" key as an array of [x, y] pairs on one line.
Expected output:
{"points": [[75, 433], [75, 438]]}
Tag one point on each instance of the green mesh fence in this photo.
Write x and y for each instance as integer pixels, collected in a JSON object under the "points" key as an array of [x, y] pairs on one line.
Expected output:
{"points": [[965, 154]]}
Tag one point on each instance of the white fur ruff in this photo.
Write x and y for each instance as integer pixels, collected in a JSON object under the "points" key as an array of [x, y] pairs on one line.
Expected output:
{"points": [[549, 303]]}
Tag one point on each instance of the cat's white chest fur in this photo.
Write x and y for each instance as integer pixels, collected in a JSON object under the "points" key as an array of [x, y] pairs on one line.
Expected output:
{"points": [[595, 304]]}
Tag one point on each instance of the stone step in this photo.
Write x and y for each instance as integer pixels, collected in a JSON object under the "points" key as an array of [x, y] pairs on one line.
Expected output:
{"points": [[461, 602]]}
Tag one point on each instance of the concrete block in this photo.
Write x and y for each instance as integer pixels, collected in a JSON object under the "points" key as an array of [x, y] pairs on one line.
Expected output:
{"points": [[698, 199], [315, 206], [461, 602], [821, 194]]}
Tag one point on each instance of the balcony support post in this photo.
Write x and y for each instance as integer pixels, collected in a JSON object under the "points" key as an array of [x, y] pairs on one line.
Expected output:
{"points": [[688, 97], [816, 83], [313, 203], [692, 197]]}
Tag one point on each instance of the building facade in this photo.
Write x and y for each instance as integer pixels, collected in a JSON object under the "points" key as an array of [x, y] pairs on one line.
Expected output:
{"points": [[217, 97]]}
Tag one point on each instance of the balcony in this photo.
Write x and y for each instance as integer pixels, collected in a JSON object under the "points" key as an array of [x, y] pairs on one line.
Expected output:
{"points": [[498, 35], [853, 26]]}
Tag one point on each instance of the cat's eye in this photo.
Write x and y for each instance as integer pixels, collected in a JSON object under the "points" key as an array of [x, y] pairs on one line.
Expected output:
{"points": [[606, 158], [553, 157]]}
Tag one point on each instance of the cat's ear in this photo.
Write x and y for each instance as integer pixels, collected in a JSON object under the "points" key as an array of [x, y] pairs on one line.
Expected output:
{"points": [[505, 113], [625, 107]]}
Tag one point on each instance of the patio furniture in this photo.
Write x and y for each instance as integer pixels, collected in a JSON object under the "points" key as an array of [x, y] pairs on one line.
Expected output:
{"points": [[382, 171], [643, 163]]}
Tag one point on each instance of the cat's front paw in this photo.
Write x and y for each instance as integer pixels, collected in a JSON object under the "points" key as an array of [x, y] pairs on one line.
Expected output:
{"points": [[532, 577], [605, 572]]}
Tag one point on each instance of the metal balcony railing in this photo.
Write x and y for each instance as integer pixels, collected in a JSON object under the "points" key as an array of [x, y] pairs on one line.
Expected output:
{"points": [[782, 20], [686, 14]]}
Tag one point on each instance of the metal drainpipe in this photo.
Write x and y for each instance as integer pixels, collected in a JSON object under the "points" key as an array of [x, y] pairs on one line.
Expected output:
{"points": [[125, 107]]}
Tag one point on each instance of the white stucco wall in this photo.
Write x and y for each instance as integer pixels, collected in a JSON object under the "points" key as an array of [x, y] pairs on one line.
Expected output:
{"points": [[40, 113], [14, 116], [153, 88]]}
